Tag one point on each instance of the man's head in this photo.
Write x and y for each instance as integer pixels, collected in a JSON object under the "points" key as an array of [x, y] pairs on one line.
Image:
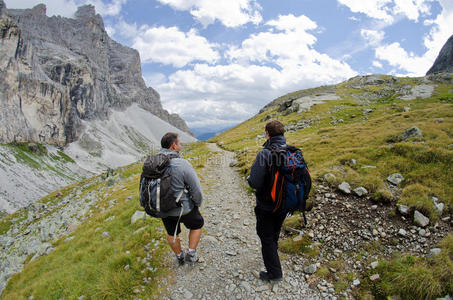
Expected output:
{"points": [[274, 128], [171, 141]]}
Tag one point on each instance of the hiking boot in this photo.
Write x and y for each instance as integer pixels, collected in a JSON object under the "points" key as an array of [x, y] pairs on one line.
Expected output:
{"points": [[181, 258], [192, 256], [265, 276]]}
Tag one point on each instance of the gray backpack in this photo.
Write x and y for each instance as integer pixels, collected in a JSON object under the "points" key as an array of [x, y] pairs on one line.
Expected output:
{"points": [[156, 196]]}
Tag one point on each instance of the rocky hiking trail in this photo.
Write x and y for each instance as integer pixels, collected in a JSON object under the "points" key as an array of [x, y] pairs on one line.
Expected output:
{"points": [[229, 248], [348, 234]]}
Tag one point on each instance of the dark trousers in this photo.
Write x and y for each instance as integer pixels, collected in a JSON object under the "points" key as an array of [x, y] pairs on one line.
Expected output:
{"points": [[268, 226]]}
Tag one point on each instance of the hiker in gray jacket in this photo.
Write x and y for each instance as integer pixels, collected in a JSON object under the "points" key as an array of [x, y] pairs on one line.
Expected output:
{"points": [[183, 178]]}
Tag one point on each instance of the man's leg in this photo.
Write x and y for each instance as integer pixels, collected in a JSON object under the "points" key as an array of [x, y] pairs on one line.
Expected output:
{"points": [[176, 246], [194, 238], [265, 228]]}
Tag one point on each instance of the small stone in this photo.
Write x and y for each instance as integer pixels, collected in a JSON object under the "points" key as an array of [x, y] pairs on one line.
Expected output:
{"points": [[374, 277], [402, 232], [403, 209], [311, 269], [395, 178], [367, 111], [439, 208], [422, 232], [187, 295], [231, 253], [375, 232], [353, 162], [275, 288], [356, 282], [81, 298], [126, 267], [406, 109], [105, 234], [435, 251], [374, 264], [345, 187], [414, 131], [138, 215], [420, 219], [246, 286], [328, 175], [360, 191], [298, 238], [374, 207], [262, 288]]}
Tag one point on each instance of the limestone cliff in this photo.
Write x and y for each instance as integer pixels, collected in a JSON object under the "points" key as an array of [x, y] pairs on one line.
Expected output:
{"points": [[56, 72]]}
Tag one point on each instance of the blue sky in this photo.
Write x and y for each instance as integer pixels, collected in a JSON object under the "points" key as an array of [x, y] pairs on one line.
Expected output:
{"points": [[216, 63]]}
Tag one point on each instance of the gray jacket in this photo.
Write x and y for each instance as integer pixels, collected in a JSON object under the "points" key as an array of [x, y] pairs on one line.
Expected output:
{"points": [[183, 175]]}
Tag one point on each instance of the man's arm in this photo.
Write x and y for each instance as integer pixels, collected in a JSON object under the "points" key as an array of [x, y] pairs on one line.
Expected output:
{"points": [[259, 170], [191, 179]]}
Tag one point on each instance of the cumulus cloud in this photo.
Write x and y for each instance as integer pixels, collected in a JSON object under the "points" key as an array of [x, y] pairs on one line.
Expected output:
{"points": [[377, 64], [231, 13], [170, 46], [396, 56], [386, 10], [415, 65], [67, 8], [373, 37], [264, 66]]}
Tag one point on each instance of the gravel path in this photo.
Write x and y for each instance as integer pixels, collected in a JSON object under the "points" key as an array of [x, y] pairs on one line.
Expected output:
{"points": [[230, 248]]}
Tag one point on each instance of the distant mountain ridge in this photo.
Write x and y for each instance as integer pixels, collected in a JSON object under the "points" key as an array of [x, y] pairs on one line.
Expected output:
{"points": [[56, 72]]}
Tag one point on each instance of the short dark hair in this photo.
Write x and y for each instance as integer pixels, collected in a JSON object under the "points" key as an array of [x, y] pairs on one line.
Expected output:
{"points": [[168, 139], [275, 128]]}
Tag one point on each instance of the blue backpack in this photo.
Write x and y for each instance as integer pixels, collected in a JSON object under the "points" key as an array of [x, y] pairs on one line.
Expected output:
{"points": [[290, 180]]}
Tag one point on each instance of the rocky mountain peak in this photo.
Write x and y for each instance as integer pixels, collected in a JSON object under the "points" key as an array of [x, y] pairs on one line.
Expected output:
{"points": [[85, 11], [444, 62], [57, 72], [39, 10]]}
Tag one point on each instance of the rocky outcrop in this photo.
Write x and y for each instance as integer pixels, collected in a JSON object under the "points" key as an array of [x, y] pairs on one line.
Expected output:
{"points": [[56, 72], [444, 62]]}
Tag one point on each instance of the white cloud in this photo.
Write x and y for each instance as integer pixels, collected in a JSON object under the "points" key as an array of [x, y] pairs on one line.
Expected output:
{"points": [[412, 9], [387, 10], [415, 65], [67, 8], [373, 8], [396, 56], [373, 37], [112, 8], [266, 65], [231, 13], [377, 64], [170, 46], [154, 79]]}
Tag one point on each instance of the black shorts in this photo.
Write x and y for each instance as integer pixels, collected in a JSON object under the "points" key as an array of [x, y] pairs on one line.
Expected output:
{"points": [[193, 220]]}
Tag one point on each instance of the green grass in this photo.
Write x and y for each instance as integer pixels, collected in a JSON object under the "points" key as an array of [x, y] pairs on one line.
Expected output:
{"points": [[413, 277], [425, 163], [329, 148], [94, 266]]}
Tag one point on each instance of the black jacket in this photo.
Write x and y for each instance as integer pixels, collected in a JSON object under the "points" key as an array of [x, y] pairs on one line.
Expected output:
{"points": [[260, 178]]}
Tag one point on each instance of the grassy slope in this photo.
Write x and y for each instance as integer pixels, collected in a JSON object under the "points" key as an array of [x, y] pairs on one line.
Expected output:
{"points": [[93, 266], [425, 163]]}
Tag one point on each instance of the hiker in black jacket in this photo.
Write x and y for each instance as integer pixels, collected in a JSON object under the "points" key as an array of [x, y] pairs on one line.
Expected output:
{"points": [[268, 224]]}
